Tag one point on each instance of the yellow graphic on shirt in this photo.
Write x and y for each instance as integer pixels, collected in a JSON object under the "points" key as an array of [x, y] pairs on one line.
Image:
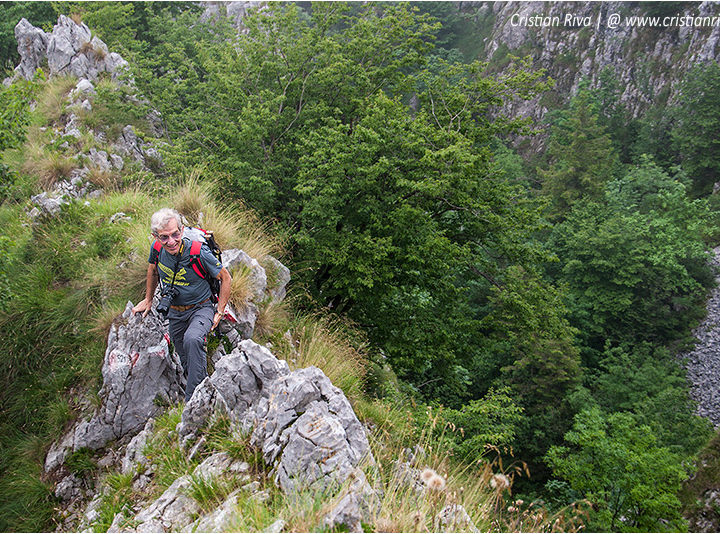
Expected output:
{"points": [[179, 277]]}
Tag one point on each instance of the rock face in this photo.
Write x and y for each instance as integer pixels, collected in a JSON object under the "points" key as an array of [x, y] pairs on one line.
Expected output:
{"points": [[303, 424], [703, 362], [645, 60], [69, 49], [32, 47], [307, 429], [139, 376]]}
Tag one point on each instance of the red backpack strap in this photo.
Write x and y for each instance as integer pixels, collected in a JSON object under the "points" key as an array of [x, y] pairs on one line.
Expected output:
{"points": [[195, 247], [156, 248]]}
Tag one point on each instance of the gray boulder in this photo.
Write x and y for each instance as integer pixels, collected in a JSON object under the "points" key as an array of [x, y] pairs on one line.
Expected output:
{"points": [[234, 386], [139, 376], [32, 47], [308, 430]]}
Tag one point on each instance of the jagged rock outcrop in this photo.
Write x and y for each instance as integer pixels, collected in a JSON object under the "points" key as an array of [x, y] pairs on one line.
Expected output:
{"points": [[235, 385], [140, 375], [703, 362], [307, 430], [32, 47], [236, 11], [69, 49], [304, 426]]}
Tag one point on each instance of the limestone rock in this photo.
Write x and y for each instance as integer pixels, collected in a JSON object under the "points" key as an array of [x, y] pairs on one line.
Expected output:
{"points": [[139, 375], [134, 451], [354, 505], [306, 427], [171, 511], [703, 362], [32, 47], [220, 519], [232, 388], [69, 488]]}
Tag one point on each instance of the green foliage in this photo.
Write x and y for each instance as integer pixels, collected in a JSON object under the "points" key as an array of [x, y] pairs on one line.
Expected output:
{"points": [[125, 27], [14, 116], [619, 466], [650, 382], [114, 107], [163, 450], [116, 497], [634, 262], [81, 462], [581, 156], [492, 420], [696, 135]]}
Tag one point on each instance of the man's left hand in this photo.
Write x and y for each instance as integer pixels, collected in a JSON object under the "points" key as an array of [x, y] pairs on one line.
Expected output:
{"points": [[216, 320]]}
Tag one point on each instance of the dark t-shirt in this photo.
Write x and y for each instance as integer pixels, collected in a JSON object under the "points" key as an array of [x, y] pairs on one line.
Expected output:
{"points": [[191, 288]]}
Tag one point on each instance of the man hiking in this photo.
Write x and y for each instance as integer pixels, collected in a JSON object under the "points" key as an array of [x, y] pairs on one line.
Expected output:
{"points": [[178, 264]]}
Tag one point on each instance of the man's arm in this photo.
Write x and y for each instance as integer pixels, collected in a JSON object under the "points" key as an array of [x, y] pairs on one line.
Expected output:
{"points": [[151, 283], [224, 296]]}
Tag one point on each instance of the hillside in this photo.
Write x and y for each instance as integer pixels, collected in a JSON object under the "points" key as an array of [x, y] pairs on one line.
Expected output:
{"points": [[433, 327]]}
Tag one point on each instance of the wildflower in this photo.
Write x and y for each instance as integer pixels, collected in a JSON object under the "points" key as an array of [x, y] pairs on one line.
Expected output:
{"points": [[385, 525], [499, 482], [436, 483], [427, 474], [512, 509]]}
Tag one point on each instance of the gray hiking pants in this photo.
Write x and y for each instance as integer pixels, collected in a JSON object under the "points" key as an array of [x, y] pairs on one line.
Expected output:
{"points": [[188, 332]]}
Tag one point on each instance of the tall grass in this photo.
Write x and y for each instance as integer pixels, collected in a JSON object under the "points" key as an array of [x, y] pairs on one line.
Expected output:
{"points": [[326, 343], [234, 225], [52, 100]]}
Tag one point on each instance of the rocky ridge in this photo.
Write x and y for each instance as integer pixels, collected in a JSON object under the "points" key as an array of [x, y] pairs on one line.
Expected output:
{"points": [[71, 49], [302, 425]]}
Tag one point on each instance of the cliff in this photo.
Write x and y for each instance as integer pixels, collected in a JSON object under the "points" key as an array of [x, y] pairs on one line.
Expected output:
{"points": [[646, 47]]}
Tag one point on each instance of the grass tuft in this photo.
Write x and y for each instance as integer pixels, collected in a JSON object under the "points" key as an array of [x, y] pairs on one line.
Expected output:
{"points": [[52, 100], [327, 344]]}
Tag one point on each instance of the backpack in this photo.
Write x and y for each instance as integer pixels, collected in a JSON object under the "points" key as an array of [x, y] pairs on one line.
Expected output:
{"points": [[197, 237]]}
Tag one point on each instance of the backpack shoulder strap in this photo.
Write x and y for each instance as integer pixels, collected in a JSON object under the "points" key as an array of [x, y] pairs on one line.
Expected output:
{"points": [[155, 254], [195, 247], [197, 266]]}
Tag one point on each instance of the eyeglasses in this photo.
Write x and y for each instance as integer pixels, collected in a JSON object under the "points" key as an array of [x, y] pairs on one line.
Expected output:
{"points": [[165, 238]]}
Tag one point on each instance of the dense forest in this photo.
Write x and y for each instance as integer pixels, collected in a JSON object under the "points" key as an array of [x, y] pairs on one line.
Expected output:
{"points": [[538, 298]]}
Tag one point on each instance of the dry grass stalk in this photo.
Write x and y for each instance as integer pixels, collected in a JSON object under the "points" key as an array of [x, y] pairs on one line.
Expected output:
{"points": [[326, 344]]}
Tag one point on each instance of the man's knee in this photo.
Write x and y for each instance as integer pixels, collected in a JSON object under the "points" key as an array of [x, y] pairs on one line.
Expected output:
{"points": [[194, 341]]}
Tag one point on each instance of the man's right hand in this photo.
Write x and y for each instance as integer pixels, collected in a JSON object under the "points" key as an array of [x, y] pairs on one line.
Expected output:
{"points": [[142, 306]]}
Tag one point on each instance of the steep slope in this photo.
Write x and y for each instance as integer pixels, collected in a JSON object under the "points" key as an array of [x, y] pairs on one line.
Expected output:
{"points": [[256, 433], [646, 47]]}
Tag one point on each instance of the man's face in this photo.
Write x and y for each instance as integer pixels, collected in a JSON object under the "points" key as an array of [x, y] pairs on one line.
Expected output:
{"points": [[170, 237]]}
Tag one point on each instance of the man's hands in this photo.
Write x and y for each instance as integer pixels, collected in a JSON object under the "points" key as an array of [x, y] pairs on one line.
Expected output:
{"points": [[143, 306]]}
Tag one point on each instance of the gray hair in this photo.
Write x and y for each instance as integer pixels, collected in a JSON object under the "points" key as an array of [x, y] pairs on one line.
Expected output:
{"points": [[162, 217]]}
